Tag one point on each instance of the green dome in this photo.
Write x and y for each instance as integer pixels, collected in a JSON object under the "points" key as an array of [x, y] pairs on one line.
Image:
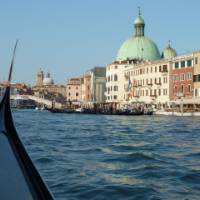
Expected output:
{"points": [[138, 48], [169, 53]]}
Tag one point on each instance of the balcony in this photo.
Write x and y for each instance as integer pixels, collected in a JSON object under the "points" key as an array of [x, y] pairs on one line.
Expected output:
{"points": [[158, 83], [153, 95], [164, 71]]}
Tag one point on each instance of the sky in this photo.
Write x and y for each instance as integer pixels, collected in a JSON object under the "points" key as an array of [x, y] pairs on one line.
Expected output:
{"points": [[69, 37]]}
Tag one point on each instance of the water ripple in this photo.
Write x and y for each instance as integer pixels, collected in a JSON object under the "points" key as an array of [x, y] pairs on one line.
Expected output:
{"points": [[99, 157]]}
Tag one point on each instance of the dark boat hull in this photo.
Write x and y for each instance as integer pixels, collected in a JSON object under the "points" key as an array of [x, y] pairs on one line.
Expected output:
{"points": [[19, 179]]}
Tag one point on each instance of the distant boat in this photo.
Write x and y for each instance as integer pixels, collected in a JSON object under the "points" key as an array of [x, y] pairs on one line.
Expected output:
{"points": [[19, 179], [59, 110]]}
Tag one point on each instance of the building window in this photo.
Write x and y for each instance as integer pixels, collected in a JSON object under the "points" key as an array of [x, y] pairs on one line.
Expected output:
{"points": [[182, 77], [77, 88], [176, 65], [147, 92], [160, 69], [175, 89], [159, 92], [182, 64], [115, 96], [165, 68], [196, 60], [151, 69], [189, 76], [115, 77], [69, 94], [155, 69], [189, 88], [115, 66], [69, 88], [196, 92], [108, 78], [189, 63], [115, 88], [76, 94], [147, 70], [182, 89], [196, 78]]}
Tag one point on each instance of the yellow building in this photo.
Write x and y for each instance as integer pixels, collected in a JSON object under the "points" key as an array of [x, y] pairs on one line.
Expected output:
{"points": [[196, 77]]}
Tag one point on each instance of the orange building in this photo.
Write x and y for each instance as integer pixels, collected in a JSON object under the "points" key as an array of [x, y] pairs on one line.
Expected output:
{"points": [[182, 77]]}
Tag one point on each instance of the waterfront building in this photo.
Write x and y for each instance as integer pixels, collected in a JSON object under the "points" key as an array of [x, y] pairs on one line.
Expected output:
{"points": [[196, 77], [148, 82], [74, 89], [182, 77], [115, 81], [93, 85], [98, 84], [86, 88]]}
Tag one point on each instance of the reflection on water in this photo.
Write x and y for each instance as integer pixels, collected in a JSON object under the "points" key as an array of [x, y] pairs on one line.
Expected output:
{"points": [[114, 157]]}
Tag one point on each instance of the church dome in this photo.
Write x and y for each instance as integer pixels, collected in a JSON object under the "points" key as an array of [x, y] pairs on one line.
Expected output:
{"points": [[169, 53], [48, 80], [138, 46]]}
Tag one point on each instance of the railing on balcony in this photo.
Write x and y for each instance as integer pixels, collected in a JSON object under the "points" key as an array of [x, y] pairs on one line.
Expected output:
{"points": [[163, 71], [153, 95], [158, 83]]}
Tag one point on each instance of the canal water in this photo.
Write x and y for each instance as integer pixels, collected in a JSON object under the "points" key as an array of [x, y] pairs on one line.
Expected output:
{"points": [[102, 157]]}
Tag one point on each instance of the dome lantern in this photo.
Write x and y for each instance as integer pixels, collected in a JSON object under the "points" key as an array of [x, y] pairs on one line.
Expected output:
{"points": [[139, 25]]}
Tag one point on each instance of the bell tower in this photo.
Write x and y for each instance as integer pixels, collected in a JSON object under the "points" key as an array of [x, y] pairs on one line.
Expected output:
{"points": [[39, 79]]}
